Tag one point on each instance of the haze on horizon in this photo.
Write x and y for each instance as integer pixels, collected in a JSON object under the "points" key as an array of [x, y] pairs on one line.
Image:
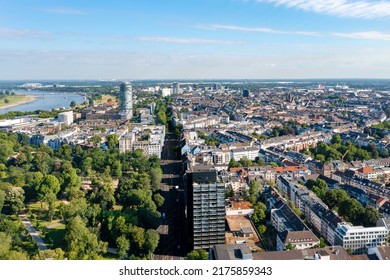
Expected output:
{"points": [[202, 39]]}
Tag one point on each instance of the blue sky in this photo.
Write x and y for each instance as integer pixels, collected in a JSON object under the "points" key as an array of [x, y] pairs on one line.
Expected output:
{"points": [[194, 39]]}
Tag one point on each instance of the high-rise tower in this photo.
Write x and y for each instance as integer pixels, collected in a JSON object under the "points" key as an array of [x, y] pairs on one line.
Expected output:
{"points": [[205, 204], [126, 101], [176, 88]]}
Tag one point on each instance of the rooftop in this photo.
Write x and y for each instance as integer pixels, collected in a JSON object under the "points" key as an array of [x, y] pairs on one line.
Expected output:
{"points": [[232, 252], [331, 253], [299, 237]]}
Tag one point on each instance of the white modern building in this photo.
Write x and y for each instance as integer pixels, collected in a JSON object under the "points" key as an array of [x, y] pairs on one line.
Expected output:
{"points": [[66, 117], [150, 139], [359, 239], [166, 92]]}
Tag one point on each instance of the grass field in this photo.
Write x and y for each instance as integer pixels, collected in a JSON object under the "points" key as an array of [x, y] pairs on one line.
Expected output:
{"points": [[14, 100], [54, 237], [105, 98], [39, 216]]}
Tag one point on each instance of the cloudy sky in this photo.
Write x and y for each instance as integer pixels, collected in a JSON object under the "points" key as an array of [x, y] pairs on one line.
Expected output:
{"points": [[194, 39]]}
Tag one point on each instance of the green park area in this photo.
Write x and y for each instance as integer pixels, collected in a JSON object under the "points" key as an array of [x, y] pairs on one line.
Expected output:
{"points": [[12, 100]]}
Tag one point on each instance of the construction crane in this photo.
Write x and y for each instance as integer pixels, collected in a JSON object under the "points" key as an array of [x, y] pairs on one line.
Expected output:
{"points": [[342, 158]]}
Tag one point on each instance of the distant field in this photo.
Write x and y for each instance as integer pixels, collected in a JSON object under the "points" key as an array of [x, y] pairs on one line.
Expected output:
{"points": [[105, 99], [14, 100]]}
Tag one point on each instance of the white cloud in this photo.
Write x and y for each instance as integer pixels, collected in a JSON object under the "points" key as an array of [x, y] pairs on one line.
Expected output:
{"points": [[151, 65], [370, 35], [65, 11], [255, 29], [341, 8], [240, 28], [364, 35], [21, 33], [184, 40]]}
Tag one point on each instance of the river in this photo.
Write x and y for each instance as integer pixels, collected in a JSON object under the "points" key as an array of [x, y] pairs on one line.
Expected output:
{"points": [[45, 100]]}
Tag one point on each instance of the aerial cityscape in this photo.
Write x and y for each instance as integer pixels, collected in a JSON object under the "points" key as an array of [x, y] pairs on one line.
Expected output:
{"points": [[204, 130]]}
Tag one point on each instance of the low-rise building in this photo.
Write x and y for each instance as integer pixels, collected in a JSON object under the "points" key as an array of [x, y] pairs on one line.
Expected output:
{"points": [[150, 139], [298, 240], [359, 239]]}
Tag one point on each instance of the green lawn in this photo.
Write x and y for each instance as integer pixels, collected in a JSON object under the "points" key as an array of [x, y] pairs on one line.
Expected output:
{"points": [[54, 237], [40, 214], [13, 99]]}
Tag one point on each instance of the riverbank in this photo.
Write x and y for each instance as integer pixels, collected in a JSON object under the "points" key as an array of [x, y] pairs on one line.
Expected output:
{"points": [[15, 100]]}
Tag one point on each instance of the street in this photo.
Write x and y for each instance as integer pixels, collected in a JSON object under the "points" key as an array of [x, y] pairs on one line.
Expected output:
{"points": [[172, 229]]}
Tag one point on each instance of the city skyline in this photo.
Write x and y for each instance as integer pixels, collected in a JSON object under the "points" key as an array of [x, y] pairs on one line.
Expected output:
{"points": [[219, 39]]}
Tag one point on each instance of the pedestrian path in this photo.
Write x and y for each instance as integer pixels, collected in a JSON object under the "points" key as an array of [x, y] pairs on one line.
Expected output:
{"points": [[33, 232]]}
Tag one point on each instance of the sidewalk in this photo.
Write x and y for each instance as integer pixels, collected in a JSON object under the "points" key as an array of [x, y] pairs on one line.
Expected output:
{"points": [[34, 234]]}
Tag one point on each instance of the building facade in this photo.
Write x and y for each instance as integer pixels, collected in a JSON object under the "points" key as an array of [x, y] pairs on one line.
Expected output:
{"points": [[205, 202], [126, 101], [359, 239], [66, 117], [150, 139]]}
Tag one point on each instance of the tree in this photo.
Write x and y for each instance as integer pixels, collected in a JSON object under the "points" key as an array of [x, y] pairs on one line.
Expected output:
{"points": [[137, 238], [123, 245], [73, 104], [336, 139], [112, 141], [50, 199], [334, 197], [81, 243], [310, 183], [262, 229], [6, 150], [6, 249], [103, 194], [233, 163], [370, 216], [149, 218], [199, 254], [76, 207], [151, 240], [43, 161], [64, 152], [245, 162], [352, 211], [162, 117], [290, 246], [158, 200], [320, 158], [56, 254], [116, 169], [70, 181], [254, 189], [15, 198], [5, 245], [96, 139], [2, 199], [155, 178], [49, 184], [259, 213]]}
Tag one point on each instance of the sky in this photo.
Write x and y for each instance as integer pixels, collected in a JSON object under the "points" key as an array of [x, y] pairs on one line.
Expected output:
{"points": [[194, 39]]}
